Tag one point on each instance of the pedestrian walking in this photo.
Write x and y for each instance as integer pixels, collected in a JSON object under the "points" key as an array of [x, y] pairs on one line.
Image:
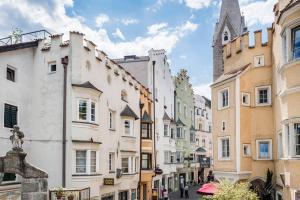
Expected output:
{"points": [[186, 191], [165, 194], [181, 186]]}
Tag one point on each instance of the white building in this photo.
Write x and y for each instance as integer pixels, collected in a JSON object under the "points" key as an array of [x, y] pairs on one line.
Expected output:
{"points": [[203, 125], [100, 121], [154, 72]]}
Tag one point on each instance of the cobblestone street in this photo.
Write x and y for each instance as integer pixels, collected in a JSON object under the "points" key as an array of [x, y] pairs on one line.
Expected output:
{"points": [[192, 193]]}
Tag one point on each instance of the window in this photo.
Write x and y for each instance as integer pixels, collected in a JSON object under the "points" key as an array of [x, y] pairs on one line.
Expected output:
{"points": [[9, 177], [297, 139], [172, 158], [10, 74], [146, 131], [111, 166], [223, 99], [280, 149], [200, 127], [263, 95], [124, 96], [93, 162], [166, 130], [86, 110], [123, 195], [179, 132], [128, 127], [178, 156], [52, 67], [264, 149], [133, 194], [296, 42], [125, 165], [129, 165], [245, 99], [10, 115], [167, 156], [246, 150], [172, 133], [259, 61], [146, 161], [224, 151], [81, 162], [297, 195], [185, 111], [223, 126], [179, 107], [86, 161], [203, 143], [192, 137], [197, 141], [112, 115]]}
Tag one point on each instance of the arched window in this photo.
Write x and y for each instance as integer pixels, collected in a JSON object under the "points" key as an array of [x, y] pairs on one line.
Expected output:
{"points": [[124, 95]]}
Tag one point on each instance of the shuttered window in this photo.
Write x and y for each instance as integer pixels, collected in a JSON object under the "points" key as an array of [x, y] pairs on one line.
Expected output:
{"points": [[10, 115]]}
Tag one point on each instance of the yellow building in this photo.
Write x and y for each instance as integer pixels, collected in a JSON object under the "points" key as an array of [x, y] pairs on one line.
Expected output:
{"points": [[147, 146], [286, 81], [243, 125], [256, 106]]}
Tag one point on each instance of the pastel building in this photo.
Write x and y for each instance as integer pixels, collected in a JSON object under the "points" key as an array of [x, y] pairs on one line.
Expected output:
{"points": [[80, 113]]}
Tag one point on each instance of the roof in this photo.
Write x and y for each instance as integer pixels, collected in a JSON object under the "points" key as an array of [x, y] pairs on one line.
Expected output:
{"points": [[179, 123], [146, 118], [87, 85], [17, 46], [201, 150], [132, 58], [230, 74], [207, 102], [291, 4], [128, 112], [166, 117]]}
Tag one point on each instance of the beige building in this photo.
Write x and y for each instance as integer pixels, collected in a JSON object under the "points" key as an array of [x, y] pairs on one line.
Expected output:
{"points": [[256, 107]]}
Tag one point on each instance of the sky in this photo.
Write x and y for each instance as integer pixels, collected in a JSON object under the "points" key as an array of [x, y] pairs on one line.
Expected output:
{"points": [[184, 28]]}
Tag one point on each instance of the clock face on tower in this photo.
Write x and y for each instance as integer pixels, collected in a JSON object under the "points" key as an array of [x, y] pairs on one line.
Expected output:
{"points": [[259, 61]]}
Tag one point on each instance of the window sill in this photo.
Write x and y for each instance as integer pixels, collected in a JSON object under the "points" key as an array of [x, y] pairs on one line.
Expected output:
{"points": [[223, 108], [150, 139], [128, 136], [264, 159], [263, 104], [112, 172], [130, 174], [85, 122], [224, 159], [112, 129], [86, 175], [148, 169]]}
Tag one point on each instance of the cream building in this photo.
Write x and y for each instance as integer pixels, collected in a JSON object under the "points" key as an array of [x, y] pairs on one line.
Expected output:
{"points": [[100, 118]]}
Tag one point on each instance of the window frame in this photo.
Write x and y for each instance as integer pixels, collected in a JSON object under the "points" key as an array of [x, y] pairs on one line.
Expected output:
{"points": [[166, 130], [112, 120], [249, 147], [270, 149], [148, 160], [131, 127], [294, 144], [111, 162], [89, 118], [50, 67], [262, 56], [88, 161], [269, 93], [132, 164], [220, 98], [246, 94], [14, 70], [148, 130], [293, 33], [220, 149]]}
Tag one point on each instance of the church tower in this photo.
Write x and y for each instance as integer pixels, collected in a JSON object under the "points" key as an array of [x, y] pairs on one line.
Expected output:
{"points": [[230, 25]]}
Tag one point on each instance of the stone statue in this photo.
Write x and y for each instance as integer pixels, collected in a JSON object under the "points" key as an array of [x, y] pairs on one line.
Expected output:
{"points": [[17, 138]]}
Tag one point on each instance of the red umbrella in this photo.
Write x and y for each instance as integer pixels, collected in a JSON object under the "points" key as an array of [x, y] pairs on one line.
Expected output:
{"points": [[208, 189]]}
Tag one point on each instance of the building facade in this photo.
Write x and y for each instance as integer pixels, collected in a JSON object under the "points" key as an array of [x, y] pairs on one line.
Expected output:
{"points": [[154, 72], [203, 135], [255, 114], [185, 129], [85, 97]]}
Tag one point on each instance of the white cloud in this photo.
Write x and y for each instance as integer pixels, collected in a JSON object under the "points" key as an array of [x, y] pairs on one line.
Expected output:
{"points": [[203, 89], [129, 21], [32, 15], [197, 4], [263, 11], [155, 28], [182, 57], [118, 34], [101, 19]]}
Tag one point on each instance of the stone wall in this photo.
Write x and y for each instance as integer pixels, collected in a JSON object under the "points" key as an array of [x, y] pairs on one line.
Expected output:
{"points": [[34, 189]]}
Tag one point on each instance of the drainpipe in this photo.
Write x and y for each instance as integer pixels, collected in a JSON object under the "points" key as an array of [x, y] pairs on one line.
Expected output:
{"points": [[65, 62], [154, 116], [140, 177]]}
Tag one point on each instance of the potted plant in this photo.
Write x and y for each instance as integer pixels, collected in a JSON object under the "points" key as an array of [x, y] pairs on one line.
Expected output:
{"points": [[59, 193], [71, 197]]}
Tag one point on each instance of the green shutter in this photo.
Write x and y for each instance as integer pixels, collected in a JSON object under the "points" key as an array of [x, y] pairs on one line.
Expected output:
{"points": [[10, 115]]}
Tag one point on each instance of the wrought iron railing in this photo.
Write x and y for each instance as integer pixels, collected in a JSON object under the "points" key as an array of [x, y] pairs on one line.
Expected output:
{"points": [[24, 37], [70, 194]]}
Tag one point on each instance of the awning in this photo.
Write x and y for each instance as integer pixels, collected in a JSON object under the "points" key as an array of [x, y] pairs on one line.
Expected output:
{"points": [[146, 118], [179, 123], [208, 189], [200, 150]]}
